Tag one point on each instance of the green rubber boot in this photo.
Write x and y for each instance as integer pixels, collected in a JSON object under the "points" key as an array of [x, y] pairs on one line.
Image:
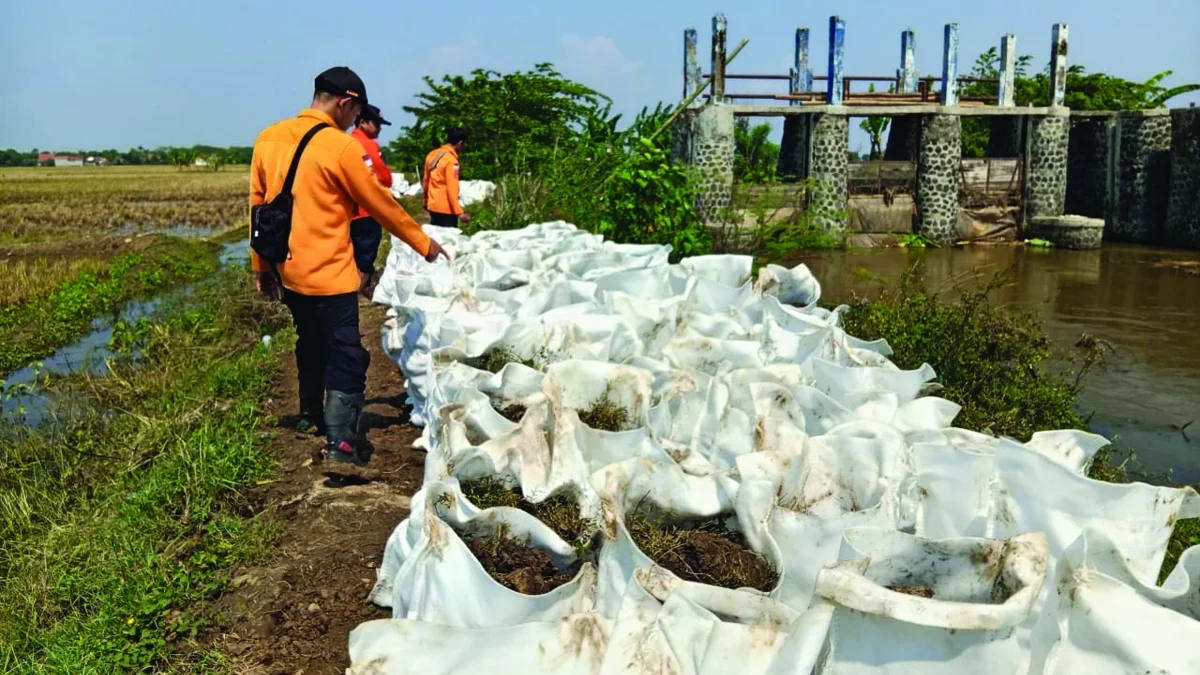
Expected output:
{"points": [[343, 417]]}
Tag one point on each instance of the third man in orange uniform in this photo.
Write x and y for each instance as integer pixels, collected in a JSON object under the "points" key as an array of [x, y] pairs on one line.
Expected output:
{"points": [[365, 231], [440, 183]]}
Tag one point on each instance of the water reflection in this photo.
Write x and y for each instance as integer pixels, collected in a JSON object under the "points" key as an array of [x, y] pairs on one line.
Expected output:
{"points": [[1125, 295]]}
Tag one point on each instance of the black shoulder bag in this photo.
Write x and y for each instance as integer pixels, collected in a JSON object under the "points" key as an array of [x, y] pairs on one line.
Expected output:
{"points": [[271, 222]]}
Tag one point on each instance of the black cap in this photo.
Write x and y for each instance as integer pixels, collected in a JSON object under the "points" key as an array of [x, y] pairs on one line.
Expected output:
{"points": [[341, 81], [371, 113]]}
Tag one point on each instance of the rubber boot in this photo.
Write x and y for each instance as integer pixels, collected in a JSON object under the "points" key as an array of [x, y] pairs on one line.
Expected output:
{"points": [[312, 416], [343, 415]]}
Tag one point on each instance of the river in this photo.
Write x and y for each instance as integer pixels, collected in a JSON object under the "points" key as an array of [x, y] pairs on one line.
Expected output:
{"points": [[1128, 296]]}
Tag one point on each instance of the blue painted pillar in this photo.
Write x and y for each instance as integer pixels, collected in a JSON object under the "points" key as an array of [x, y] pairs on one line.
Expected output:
{"points": [[1058, 65], [1008, 70], [837, 44], [950, 65], [801, 74], [719, 26], [908, 62], [691, 68]]}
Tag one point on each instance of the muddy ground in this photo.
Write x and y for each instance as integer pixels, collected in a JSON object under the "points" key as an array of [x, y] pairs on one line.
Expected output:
{"points": [[293, 613]]}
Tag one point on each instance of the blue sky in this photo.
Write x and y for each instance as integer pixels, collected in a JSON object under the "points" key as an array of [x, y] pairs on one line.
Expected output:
{"points": [[97, 74]]}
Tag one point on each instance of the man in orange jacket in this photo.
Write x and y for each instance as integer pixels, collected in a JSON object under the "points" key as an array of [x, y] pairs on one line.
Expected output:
{"points": [[319, 277], [440, 183], [365, 231]]}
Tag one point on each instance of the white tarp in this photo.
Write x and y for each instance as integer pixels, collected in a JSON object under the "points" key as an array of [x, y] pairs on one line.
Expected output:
{"points": [[901, 544]]}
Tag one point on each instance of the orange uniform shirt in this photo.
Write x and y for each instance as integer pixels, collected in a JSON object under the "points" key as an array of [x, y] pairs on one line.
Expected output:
{"points": [[374, 162], [331, 181], [440, 182]]}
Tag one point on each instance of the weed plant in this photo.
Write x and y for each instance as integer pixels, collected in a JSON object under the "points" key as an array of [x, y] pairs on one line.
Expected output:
{"points": [[559, 512]]}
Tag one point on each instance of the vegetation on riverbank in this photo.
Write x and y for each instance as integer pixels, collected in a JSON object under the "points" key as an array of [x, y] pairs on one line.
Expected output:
{"points": [[43, 204], [48, 312], [120, 516]]}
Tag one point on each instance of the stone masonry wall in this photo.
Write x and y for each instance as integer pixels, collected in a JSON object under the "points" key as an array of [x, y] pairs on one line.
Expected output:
{"points": [[1143, 175], [1087, 167], [793, 149], [938, 164], [1183, 211], [830, 143], [712, 151], [1047, 183]]}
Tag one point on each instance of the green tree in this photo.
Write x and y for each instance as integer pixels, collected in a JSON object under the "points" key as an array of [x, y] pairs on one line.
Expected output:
{"points": [[876, 127], [512, 119], [755, 156]]}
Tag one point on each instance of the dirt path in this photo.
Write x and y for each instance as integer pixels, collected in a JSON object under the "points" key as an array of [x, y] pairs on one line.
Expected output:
{"points": [[293, 613]]}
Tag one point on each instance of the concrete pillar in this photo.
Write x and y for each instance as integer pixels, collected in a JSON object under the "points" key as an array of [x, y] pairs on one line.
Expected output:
{"points": [[950, 65], [837, 44], [1008, 69], [908, 62], [712, 150], [1183, 211], [1046, 185], [830, 144], [904, 134], [681, 136], [938, 168], [1004, 140], [1058, 65], [794, 148], [718, 58], [1143, 176], [801, 72], [691, 66], [1088, 166]]}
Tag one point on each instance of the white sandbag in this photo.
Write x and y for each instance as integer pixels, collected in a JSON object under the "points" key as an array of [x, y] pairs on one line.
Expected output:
{"points": [[983, 595], [796, 287]]}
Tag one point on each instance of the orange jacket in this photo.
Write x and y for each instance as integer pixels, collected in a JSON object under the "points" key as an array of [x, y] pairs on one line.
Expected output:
{"points": [[440, 182], [331, 181], [374, 162]]}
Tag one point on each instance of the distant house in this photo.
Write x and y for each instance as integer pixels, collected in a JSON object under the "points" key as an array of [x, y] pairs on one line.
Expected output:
{"points": [[200, 161], [53, 159]]}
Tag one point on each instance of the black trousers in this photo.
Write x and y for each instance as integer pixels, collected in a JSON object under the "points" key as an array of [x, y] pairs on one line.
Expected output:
{"points": [[329, 351], [443, 219], [365, 235]]}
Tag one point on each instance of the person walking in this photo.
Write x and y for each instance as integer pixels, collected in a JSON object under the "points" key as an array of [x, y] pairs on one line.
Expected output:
{"points": [[440, 182], [366, 232], [326, 176]]}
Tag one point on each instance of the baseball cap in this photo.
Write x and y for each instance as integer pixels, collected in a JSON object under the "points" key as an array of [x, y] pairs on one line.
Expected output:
{"points": [[371, 113], [341, 81]]}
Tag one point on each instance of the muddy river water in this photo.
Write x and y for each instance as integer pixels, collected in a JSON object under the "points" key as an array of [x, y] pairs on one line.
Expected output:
{"points": [[1129, 296]]}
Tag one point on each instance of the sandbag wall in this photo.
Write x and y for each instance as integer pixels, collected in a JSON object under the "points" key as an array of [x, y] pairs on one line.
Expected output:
{"points": [[570, 370]]}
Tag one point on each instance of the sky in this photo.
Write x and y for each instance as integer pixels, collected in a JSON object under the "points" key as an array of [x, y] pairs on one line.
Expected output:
{"points": [[96, 74]]}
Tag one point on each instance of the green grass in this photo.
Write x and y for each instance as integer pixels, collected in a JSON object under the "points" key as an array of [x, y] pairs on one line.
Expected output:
{"points": [[119, 518], [37, 326]]}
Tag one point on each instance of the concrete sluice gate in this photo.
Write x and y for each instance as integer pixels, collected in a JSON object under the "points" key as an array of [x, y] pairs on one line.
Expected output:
{"points": [[901, 544]]}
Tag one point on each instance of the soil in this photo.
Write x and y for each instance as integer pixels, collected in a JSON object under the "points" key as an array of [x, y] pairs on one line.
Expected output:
{"points": [[513, 412], [707, 553], [519, 566], [560, 512], [294, 612], [919, 591]]}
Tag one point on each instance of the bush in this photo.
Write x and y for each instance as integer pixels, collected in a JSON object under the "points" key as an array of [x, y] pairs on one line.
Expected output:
{"points": [[990, 361]]}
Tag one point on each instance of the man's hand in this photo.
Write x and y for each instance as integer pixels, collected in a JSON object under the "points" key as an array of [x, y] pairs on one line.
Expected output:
{"points": [[464, 217], [364, 278], [267, 285], [435, 249]]}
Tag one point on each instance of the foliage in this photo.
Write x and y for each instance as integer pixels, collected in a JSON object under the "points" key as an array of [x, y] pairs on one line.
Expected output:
{"points": [[988, 360], [1085, 91], [34, 328], [136, 156], [118, 528], [513, 120], [915, 240], [876, 127], [755, 157], [773, 223]]}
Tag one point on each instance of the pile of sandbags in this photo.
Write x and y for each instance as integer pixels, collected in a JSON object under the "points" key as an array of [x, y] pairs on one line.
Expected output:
{"points": [[636, 466], [469, 191]]}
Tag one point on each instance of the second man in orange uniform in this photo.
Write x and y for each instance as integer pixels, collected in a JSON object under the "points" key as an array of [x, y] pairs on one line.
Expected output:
{"points": [[440, 182]]}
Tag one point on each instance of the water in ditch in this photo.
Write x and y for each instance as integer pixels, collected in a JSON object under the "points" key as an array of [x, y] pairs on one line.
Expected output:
{"points": [[1137, 299]]}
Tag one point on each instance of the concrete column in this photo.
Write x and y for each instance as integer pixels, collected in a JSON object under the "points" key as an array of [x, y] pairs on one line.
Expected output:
{"points": [[1058, 65], [712, 150], [1008, 69], [950, 65], [837, 43], [691, 66], [1004, 140], [904, 134], [1183, 211], [1087, 167], [938, 167], [794, 148], [1046, 185], [830, 143], [681, 136], [1143, 176], [908, 62], [718, 58], [801, 73]]}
